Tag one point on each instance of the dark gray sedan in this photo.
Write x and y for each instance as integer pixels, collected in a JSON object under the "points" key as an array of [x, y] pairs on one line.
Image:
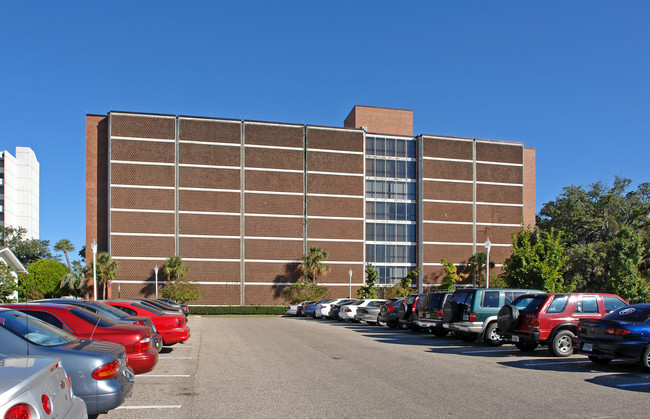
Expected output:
{"points": [[97, 369]]}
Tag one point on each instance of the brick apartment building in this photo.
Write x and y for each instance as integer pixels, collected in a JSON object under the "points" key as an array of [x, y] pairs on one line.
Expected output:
{"points": [[242, 201]]}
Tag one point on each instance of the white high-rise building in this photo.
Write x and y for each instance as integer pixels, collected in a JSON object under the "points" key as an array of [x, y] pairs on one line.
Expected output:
{"points": [[19, 190]]}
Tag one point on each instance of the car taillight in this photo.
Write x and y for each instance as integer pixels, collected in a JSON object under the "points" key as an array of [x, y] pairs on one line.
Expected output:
{"points": [[179, 322], [440, 314], [390, 309], [347, 310], [472, 317], [321, 307], [143, 345], [47, 404], [107, 371], [536, 322], [414, 309], [19, 411], [139, 322], [613, 331]]}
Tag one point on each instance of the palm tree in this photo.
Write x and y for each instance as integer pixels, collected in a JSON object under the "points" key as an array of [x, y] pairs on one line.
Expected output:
{"points": [[106, 270], [65, 246], [75, 280], [476, 265], [312, 265], [174, 268]]}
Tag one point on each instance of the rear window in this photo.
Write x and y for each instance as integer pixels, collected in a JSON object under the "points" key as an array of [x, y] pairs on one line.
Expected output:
{"points": [[630, 314], [434, 300], [92, 318], [612, 303], [375, 303], [463, 297], [529, 304]]}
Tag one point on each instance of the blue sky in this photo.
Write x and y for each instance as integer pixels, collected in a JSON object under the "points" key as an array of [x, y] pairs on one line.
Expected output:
{"points": [[571, 79]]}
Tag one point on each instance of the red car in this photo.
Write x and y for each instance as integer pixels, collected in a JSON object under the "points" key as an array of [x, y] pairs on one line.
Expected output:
{"points": [[172, 328], [141, 355]]}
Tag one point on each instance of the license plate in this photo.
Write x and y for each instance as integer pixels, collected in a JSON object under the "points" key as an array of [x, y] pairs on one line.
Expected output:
{"points": [[587, 347], [515, 338], [428, 315], [465, 317]]}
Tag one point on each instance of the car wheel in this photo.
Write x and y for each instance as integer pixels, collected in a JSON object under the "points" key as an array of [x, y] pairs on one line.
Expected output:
{"points": [[440, 331], [491, 337], [526, 346], [599, 360], [403, 326], [645, 358], [562, 343], [467, 337], [392, 324]]}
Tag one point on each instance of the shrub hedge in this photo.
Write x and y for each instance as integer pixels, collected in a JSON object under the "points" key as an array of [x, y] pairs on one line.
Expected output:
{"points": [[269, 310]]}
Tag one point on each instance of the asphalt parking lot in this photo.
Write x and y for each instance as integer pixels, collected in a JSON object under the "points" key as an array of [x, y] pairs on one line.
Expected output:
{"points": [[300, 367]]}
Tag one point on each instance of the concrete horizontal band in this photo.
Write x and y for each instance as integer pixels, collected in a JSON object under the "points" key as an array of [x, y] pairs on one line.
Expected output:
{"points": [[152, 140], [322, 150], [166, 188], [209, 143], [266, 169], [208, 166], [142, 163], [273, 147], [314, 172], [471, 223], [319, 217], [466, 244], [142, 210]]}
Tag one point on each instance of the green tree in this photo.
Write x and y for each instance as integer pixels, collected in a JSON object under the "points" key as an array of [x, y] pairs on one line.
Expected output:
{"points": [[536, 262], [7, 282], [82, 253], [181, 291], [174, 269], [451, 276], [42, 281], [304, 291], [476, 265], [621, 274], [106, 271], [312, 265], [26, 250], [589, 219], [405, 286], [75, 282], [65, 246], [370, 289]]}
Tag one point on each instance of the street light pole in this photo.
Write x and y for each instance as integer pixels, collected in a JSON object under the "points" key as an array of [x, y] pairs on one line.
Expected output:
{"points": [[155, 269], [487, 262], [93, 246], [350, 282]]}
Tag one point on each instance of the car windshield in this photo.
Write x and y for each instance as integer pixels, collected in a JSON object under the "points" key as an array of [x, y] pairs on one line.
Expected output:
{"points": [[529, 304], [630, 314], [34, 330]]}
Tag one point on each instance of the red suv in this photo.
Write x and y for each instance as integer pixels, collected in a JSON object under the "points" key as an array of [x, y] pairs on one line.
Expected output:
{"points": [[551, 319]]}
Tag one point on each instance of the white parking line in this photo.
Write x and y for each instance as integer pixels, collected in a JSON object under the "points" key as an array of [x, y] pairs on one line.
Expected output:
{"points": [[164, 375], [173, 406], [533, 364], [632, 384]]}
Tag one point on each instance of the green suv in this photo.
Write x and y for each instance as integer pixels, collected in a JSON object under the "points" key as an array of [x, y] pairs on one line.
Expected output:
{"points": [[471, 313]]}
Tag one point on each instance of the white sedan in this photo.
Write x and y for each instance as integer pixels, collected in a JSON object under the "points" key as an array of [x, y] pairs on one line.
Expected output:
{"points": [[349, 311]]}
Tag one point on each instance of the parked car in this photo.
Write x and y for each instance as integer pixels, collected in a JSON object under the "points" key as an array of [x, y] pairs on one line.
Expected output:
{"points": [[335, 309], [141, 356], [159, 305], [182, 306], [111, 313], [407, 312], [622, 334], [97, 370], [296, 309], [323, 308], [349, 311], [551, 319], [173, 328], [310, 309], [388, 312], [430, 312], [301, 308], [472, 312], [35, 387], [370, 312]]}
